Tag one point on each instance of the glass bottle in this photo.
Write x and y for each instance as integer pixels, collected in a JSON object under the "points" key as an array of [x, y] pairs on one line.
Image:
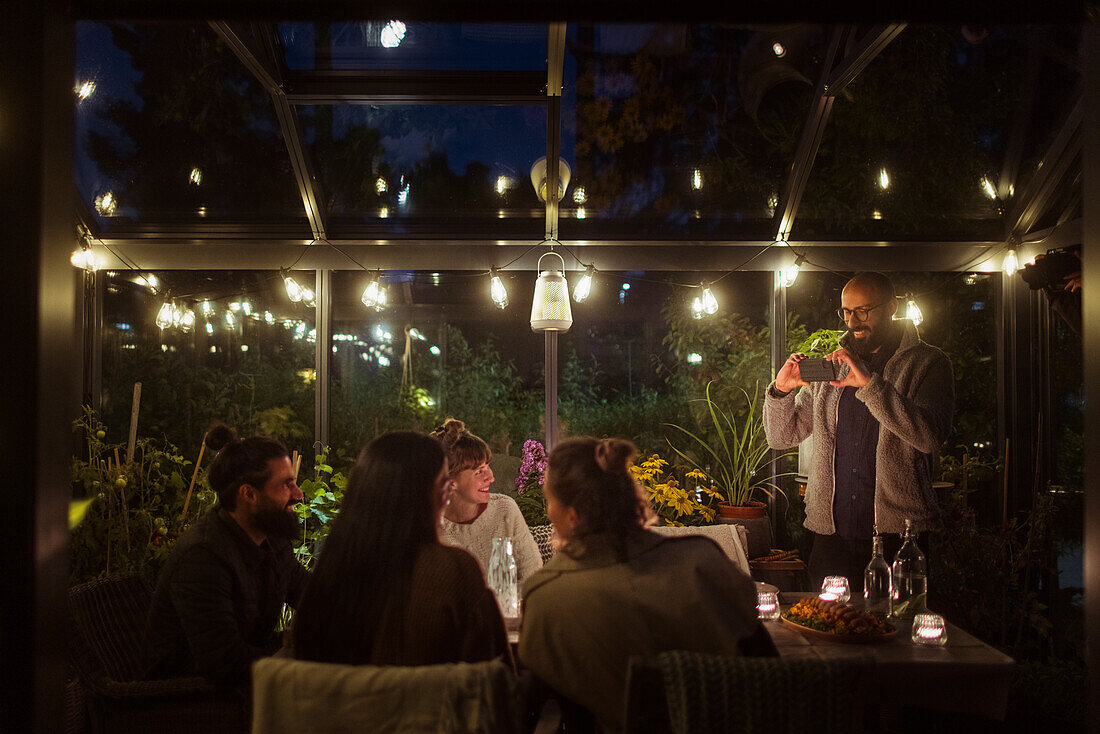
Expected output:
{"points": [[876, 581], [503, 577], [908, 578]]}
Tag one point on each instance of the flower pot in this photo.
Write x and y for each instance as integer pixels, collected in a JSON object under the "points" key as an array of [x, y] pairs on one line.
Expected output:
{"points": [[755, 509]]}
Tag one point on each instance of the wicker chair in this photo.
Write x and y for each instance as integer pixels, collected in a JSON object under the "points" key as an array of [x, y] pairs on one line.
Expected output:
{"points": [[108, 618], [544, 537], [738, 695]]}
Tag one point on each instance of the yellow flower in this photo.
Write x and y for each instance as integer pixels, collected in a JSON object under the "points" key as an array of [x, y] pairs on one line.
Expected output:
{"points": [[696, 474]]}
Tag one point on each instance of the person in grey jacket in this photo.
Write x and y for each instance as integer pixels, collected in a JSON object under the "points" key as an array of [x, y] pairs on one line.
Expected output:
{"points": [[876, 431]]}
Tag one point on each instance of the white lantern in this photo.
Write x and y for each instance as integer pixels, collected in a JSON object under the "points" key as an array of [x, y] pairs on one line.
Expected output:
{"points": [[550, 309]]}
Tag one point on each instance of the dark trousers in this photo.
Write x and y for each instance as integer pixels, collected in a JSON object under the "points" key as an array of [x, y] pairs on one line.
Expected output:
{"points": [[833, 555]]}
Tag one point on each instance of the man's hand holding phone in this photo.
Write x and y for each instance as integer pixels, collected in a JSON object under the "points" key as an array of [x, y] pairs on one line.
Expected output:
{"points": [[789, 376]]}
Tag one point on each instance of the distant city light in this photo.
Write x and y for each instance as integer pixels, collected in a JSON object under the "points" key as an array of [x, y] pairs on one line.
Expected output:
{"points": [[434, 350], [380, 185], [435, 278], [106, 204], [695, 358], [209, 328], [626, 286], [384, 212], [196, 176], [876, 214], [502, 184], [84, 90], [696, 179], [778, 50], [403, 195], [244, 347], [383, 360], [581, 213], [883, 179], [393, 33]]}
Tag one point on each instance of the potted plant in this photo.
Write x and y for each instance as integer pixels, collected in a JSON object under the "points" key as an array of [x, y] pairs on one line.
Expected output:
{"points": [[675, 505], [735, 459]]}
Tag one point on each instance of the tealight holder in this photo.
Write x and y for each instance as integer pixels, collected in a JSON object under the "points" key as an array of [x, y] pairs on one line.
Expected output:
{"points": [[767, 605], [835, 588], [929, 629]]}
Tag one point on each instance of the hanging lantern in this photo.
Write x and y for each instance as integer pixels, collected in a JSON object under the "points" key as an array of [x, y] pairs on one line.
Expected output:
{"points": [[550, 309]]}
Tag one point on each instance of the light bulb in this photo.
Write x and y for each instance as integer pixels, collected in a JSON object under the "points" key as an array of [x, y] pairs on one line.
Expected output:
{"points": [[207, 308], [177, 315], [308, 298], [497, 291], [697, 308], [710, 303], [374, 296], [380, 185], [579, 195], [164, 316], [1011, 264], [502, 184], [694, 358], [788, 275], [229, 320], [209, 328], [392, 34], [883, 179], [187, 320], [696, 179], [85, 260], [196, 177], [913, 312], [246, 307], [987, 187], [269, 317], [293, 290], [584, 286]]}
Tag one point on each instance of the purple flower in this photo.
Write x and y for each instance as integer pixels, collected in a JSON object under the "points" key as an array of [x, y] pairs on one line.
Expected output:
{"points": [[532, 470]]}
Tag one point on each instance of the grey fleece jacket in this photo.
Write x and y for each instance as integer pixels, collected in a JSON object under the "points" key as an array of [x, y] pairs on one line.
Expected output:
{"points": [[913, 401]]}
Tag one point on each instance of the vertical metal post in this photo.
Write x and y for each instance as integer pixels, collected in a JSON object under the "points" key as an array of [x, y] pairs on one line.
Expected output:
{"points": [[779, 356], [1001, 290], [324, 354], [551, 377]]}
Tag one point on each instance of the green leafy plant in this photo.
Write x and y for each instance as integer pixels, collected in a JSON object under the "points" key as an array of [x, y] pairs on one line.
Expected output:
{"points": [[132, 510], [322, 497], [735, 459], [820, 343]]}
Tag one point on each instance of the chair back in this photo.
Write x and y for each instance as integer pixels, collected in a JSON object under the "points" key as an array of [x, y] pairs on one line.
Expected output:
{"points": [[738, 695], [109, 617], [726, 536], [544, 536], [291, 696]]}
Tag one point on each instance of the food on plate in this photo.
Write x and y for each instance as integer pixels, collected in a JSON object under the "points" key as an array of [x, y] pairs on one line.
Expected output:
{"points": [[835, 618]]}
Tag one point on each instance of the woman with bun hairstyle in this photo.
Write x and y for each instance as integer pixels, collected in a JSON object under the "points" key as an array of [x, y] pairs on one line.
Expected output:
{"points": [[615, 589], [474, 515], [384, 591]]}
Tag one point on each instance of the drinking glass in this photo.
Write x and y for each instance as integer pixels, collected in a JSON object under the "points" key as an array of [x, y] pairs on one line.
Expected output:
{"points": [[767, 605], [836, 587], [929, 629]]}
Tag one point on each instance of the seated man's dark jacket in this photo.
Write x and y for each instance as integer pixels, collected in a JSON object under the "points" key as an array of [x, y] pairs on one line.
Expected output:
{"points": [[217, 601]]}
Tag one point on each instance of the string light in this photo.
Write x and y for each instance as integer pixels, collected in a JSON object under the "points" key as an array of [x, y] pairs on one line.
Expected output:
{"points": [[229, 320], [106, 204], [308, 298], [85, 259], [883, 179], [913, 312], [584, 286], [1011, 264], [987, 187], [84, 90], [497, 291], [789, 274], [579, 195], [164, 316], [778, 50], [246, 307], [502, 184], [196, 177], [392, 34], [209, 328], [187, 320], [374, 295], [293, 290], [380, 185], [207, 309], [704, 304], [696, 179]]}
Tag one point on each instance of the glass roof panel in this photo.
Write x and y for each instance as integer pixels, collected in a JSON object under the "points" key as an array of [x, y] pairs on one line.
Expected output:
{"points": [[372, 45], [171, 127], [389, 167], [682, 130], [909, 142]]}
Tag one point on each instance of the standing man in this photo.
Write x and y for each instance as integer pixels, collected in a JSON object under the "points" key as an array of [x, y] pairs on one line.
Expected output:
{"points": [[222, 589], [876, 432]]}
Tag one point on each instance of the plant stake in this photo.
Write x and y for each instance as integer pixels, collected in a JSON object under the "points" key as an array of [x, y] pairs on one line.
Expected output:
{"points": [[198, 463], [122, 497], [133, 423]]}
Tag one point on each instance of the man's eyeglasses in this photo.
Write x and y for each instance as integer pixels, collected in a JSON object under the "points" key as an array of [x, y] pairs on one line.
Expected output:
{"points": [[861, 313]]}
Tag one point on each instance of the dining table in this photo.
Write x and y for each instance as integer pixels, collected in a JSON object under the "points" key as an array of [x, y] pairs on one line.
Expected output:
{"points": [[964, 676]]}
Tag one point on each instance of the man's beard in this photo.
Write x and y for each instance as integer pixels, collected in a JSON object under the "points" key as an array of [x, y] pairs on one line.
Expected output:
{"points": [[277, 522], [875, 338]]}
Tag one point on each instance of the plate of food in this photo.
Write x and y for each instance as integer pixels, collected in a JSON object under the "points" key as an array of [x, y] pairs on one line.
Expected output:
{"points": [[836, 622]]}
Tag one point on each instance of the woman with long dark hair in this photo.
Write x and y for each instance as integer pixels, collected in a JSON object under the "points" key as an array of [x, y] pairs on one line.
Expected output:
{"points": [[616, 589], [384, 591]]}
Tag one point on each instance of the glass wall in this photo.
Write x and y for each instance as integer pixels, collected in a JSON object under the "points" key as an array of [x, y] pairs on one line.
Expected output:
{"points": [[206, 346]]}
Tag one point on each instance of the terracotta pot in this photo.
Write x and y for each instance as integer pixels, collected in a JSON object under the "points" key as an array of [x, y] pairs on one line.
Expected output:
{"points": [[755, 509]]}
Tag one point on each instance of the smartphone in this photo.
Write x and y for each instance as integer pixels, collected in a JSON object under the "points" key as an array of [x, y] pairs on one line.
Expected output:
{"points": [[817, 370]]}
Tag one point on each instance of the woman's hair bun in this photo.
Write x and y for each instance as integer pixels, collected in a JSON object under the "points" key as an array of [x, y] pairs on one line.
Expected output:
{"points": [[450, 431], [614, 455], [219, 436]]}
